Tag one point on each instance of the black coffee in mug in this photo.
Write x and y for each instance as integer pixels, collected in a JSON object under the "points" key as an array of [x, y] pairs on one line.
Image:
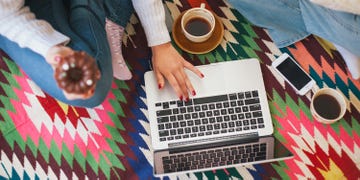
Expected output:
{"points": [[327, 106], [197, 26]]}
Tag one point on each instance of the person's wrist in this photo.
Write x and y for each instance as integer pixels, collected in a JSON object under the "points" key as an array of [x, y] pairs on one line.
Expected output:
{"points": [[160, 47]]}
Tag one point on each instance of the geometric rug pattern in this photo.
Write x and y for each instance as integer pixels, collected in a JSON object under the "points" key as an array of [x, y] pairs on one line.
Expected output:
{"points": [[42, 138]]}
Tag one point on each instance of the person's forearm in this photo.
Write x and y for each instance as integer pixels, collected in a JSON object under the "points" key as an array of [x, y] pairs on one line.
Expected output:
{"points": [[152, 17], [18, 24]]}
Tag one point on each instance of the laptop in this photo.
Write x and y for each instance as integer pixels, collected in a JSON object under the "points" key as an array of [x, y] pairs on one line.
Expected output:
{"points": [[229, 111]]}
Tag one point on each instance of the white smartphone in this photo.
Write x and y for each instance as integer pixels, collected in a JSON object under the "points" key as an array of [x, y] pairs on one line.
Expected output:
{"points": [[287, 67]]}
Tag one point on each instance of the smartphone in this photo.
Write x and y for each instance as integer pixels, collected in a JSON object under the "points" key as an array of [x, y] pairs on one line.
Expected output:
{"points": [[287, 67]]}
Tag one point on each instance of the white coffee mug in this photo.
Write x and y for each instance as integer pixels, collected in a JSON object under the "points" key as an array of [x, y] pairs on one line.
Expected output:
{"points": [[198, 14], [328, 105]]}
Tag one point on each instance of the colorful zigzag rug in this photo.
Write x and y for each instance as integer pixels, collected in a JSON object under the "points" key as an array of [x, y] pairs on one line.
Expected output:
{"points": [[41, 138]]}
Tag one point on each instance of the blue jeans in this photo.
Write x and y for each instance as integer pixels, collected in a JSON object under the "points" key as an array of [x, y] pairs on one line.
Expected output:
{"points": [[288, 21], [84, 22]]}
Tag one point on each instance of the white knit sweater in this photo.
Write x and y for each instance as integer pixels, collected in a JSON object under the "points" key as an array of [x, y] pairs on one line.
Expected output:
{"points": [[18, 24]]}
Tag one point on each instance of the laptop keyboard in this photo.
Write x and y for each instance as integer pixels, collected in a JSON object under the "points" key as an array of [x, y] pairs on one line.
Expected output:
{"points": [[208, 116], [214, 158]]}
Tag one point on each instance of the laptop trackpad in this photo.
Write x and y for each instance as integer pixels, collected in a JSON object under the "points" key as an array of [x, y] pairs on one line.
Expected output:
{"points": [[213, 82]]}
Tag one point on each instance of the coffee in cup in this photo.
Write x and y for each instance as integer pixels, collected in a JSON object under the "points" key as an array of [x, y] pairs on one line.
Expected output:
{"points": [[198, 24], [328, 105]]}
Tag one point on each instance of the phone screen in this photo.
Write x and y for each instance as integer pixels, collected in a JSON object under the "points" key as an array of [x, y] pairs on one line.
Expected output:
{"points": [[293, 73]]}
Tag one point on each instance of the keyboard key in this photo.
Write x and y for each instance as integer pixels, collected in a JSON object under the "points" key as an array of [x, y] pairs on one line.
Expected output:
{"points": [[204, 107], [233, 117], [210, 99], [172, 132], [197, 122], [255, 93], [255, 107], [168, 126], [175, 111], [252, 121], [161, 126], [232, 96], [166, 105], [180, 131], [231, 111], [233, 103], [190, 109], [172, 118], [197, 108], [163, 119], [163, 133], [194, 115], [257, 114], [182, 124], [205, 121], [238, 123], [247, 94], [182, 110], [241, 95], [241, 116], [180, 103], [166, 112], [188, 103], [260, 120], [252, 101], [201, 114], [240, 102], [180, 117]]}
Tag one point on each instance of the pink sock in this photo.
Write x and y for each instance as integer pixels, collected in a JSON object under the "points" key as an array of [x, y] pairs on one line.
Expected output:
{"points": [[114, 34]]}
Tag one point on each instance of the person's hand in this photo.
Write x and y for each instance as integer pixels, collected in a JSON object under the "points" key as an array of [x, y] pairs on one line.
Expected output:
{"points": [[53, 57], [169, 64]]}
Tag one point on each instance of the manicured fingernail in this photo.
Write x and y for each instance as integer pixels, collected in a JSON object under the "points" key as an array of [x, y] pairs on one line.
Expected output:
{"points": [[187, 99], [57, 58], [202, 75], [193, 93], [159, 85], [181, 98]]}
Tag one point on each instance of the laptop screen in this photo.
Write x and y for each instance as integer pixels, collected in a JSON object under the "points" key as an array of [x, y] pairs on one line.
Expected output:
{"points": [[219, 155]]}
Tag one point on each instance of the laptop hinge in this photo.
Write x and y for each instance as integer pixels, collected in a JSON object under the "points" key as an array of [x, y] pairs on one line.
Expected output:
{"points": [[214, 140]]}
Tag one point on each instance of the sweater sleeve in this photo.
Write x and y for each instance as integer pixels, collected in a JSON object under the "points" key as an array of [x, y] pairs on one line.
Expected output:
{"points": [[18, 24], [152, 17]]}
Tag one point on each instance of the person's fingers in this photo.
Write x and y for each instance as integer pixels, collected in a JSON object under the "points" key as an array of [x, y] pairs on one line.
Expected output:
{"points": [[160, 79], [173, 82], [86, 95], [188, 84], [193, 69], [180, 78]]}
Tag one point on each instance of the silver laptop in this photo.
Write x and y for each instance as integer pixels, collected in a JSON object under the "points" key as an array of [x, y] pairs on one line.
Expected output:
{"points": [[230, 106]]}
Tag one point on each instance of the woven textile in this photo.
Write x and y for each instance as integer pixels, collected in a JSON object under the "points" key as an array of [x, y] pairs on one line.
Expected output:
{"points": [[42, 138]]}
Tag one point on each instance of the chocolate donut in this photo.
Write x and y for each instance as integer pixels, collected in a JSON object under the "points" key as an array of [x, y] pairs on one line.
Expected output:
{"points": [[77, 73]]}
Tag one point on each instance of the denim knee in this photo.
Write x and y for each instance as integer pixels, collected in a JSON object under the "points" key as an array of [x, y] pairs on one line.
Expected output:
{"points": [[282, 18], [335, 26]]}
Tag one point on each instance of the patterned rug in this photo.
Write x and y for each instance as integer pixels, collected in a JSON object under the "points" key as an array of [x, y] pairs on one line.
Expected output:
{"points": [[42, 138]]}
